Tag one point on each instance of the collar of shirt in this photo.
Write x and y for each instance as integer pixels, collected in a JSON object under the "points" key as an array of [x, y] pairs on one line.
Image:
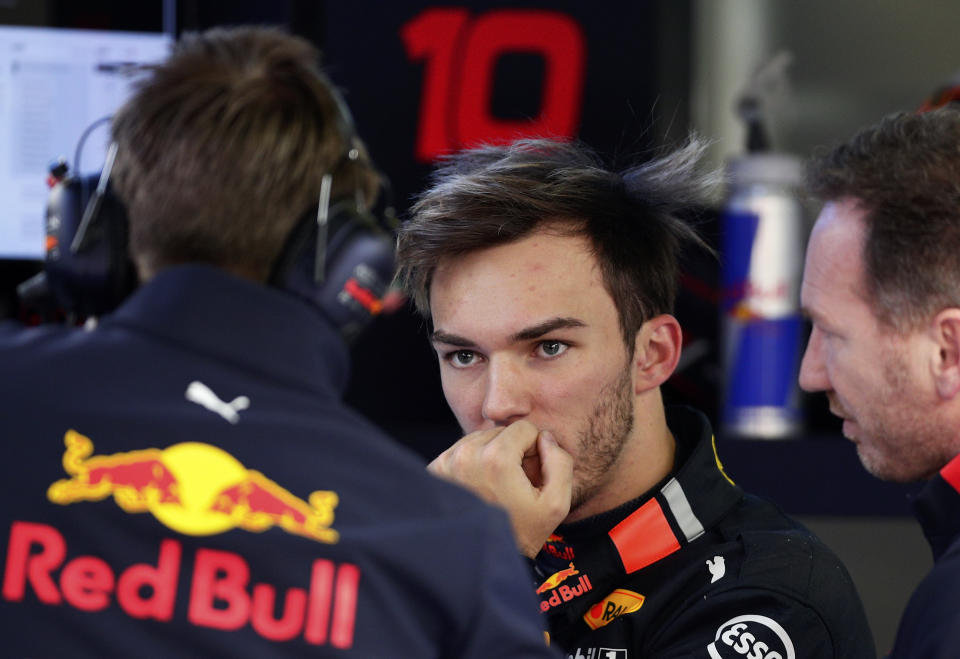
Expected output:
{"points": [[219, 315], [645, 530], [937, 508]]}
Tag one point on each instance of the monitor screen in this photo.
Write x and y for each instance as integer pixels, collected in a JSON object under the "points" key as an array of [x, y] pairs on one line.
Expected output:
{"points": [[55, 84]]}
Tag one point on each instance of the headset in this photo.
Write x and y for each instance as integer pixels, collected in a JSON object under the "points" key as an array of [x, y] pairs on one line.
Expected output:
{"points": [[339, 256]]}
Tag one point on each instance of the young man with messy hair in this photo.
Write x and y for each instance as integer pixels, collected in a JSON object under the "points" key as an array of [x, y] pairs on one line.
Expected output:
{"points": [[549, 283]]}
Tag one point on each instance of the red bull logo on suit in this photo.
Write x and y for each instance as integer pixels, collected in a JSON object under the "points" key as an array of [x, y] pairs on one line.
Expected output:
{"points": [[196, 489], [192, 488]]}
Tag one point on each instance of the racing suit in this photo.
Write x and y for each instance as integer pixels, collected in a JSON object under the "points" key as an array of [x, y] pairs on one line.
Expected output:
{"points": [[697, 568], [184, 480], [930, 626]]}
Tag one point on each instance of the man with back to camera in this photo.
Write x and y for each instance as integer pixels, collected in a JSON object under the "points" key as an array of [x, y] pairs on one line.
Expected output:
{"points": [[882, 289], [548, 282], [184, 480]]}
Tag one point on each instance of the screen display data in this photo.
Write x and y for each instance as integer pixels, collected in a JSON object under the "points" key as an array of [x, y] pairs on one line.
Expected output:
{"points": [[54, 84]]}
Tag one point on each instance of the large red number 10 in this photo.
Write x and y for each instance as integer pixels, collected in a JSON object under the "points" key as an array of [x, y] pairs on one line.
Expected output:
{"points": [[460, 56]]}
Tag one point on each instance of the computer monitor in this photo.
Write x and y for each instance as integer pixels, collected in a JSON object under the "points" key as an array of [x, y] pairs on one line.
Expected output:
{"points": [[55, 84]]}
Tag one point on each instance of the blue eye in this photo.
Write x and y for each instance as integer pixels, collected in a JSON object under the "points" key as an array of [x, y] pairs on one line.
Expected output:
{"points": [[552, 348], [461, 358]]}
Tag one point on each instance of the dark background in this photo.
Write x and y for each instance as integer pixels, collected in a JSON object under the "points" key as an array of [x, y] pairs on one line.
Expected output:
{"points": [[633, 101]]}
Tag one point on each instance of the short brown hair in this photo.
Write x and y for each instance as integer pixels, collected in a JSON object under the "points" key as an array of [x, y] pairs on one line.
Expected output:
{"points": [[499, 194], [223, 146], [905, 172]]}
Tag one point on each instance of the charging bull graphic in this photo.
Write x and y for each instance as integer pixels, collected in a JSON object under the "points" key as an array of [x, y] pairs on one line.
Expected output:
{"points": [[557, 578], [191, 487]]}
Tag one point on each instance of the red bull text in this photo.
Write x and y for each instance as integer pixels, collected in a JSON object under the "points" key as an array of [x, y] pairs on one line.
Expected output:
{"points": [[565, 593], [556, 546], [322, 613]]}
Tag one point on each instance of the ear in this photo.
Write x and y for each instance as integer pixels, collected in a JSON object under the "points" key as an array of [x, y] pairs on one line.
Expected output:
{"points": [[656, 352], [945, 330]]}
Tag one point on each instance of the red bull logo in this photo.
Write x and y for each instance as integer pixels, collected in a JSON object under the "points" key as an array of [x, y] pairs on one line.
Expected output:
{"points": [[192, 488], [220, 593], [743, 299], [557, 578], [556, 546], [561, 592]]}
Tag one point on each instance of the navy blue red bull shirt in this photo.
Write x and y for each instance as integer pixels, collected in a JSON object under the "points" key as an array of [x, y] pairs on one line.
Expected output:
{"points": [[697, 568], [183, 480], [930, 626]]}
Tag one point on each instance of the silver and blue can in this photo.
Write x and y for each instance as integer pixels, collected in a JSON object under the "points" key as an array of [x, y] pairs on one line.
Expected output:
{"points": [[762, 260]]}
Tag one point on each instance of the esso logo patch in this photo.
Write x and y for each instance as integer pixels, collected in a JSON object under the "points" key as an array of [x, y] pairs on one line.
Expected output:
{"points": [[751, 637]]}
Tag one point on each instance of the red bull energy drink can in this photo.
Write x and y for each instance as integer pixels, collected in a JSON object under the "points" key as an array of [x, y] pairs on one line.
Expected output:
{"points": [[762, 251]]}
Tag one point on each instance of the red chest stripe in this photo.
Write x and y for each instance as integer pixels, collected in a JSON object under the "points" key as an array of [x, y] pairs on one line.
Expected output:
{"points": [[644, 537]]}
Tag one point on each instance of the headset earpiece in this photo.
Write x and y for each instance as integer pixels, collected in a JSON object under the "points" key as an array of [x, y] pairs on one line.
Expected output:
{"points": [[87, 269], [358, 266], [340, 256]]}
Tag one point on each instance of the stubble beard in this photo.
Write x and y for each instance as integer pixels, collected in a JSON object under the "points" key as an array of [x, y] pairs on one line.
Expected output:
{"points": [[902, 443], [601, 442]]}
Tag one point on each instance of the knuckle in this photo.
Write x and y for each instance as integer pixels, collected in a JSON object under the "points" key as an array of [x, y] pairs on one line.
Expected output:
{"points": [[495, 460], [458, 461]]}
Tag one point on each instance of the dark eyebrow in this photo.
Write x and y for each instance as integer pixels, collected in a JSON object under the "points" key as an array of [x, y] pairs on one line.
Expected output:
{"points": [[526, 334], [440, 336], [545, 327]]}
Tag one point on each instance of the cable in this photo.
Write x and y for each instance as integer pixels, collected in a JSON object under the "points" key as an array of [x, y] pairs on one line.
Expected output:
{"points": [[83, 138]]}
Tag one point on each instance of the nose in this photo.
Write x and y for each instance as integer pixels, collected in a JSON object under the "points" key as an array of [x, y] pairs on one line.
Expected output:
{"points": [[507, 396], [813, 373]]}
